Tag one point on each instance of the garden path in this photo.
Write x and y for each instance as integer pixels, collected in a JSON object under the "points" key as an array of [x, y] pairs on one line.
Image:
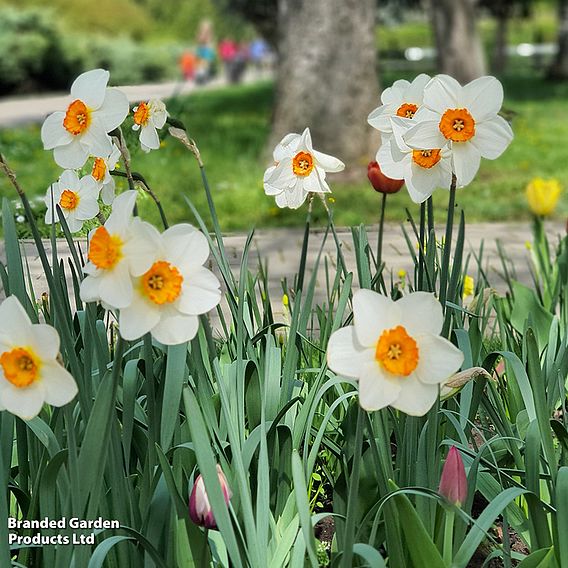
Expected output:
{"points": [[281, 249]]}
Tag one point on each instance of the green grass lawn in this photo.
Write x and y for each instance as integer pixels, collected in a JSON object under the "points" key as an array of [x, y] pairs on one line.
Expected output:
{"points": [[231, 127]]}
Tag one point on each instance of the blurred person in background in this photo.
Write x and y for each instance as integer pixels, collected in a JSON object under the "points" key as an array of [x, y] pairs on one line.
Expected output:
{"points": [[188, 64], [205, 53], [228, 51]]}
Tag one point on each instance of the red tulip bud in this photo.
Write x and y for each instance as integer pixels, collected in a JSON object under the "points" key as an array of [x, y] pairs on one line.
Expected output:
{"points": [[453, 483], [380, 181], [200, 510]]}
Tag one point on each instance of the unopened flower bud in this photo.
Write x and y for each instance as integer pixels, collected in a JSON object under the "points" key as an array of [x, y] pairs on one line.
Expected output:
{"points": [[200, 510], [380, 181], [453, 483]]}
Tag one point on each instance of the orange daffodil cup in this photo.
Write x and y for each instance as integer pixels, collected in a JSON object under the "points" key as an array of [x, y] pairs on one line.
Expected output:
{"points": [[395, 352], [298, 170], [448, 129], [29, 372], [82, 130]]}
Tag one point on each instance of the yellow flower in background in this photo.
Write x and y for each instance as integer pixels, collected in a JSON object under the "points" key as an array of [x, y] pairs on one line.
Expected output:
{"points": [[285, 300], [468, 286], [402, 274], [542, 195]]}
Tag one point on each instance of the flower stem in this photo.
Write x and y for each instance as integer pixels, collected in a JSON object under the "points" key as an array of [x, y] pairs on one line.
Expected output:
{"points": [[421, 244], [335, 237], [449, 537], [380, 235], [303, 257], [352, 502], [448, 243]]}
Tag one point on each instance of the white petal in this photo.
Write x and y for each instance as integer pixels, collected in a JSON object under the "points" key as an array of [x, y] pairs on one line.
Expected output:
{"points": [[421, 312], [415, 91], [438, 359], [14, 321], [281, 200], [466, 159], [306, 141], [327, 162], [122, 208], [393, 94], [376, 389], [389, 166], [175, 328], [415, 398], [425, 135], [282, 176], [311, 183], [482, 97], [372, 314], [108, 192], [186, 245], [380, 118], [492, 137], [89, 290], [45, 341], [74, 224], [69, 180], [72, 156], [96, 140], [114, 110], [149, 137], [442, 93], [345, 355], [90, 87], [53, 133], [115, 288], [420, 182], [88, 208], [23, 402], [201, 292], [138, 318], [60, 386]]}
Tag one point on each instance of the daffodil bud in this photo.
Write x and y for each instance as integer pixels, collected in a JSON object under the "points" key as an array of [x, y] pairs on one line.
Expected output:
{"points": [[542, 195], [200, 511], [453, 483], [380, 181]]}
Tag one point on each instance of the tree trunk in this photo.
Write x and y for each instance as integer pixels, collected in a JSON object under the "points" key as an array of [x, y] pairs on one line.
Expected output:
{"points": [[559, 67], [500, 50], [327, 78], [460, 53]]}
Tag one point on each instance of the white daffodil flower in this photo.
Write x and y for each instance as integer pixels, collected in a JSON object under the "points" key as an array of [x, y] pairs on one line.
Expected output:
{"points": [[148, 117], [82, 130], [76, 197], [29, 372], [395, 351], [101, 174], [402, 99], [298, 170], [174, 291], [117, 251], [422, 170], [465, 119]]}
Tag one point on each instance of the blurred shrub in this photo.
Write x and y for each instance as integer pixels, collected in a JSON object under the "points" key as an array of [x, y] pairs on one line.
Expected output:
{"points": [[31, 52], [35, 55]]}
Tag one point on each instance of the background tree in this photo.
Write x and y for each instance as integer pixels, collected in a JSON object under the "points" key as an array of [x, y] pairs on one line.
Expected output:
{"points": [[559, 67], [326, 72], [458, 45]]}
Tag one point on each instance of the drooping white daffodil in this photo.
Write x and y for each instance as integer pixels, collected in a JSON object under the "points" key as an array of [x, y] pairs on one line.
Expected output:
{"points": [[117, 251], [76, 197], [82, 130], [422, 170], [174, 291], [148, 117], [29, 372], [465, 119], [401, 99], [101, 173], [298, 170], [395, 351]]}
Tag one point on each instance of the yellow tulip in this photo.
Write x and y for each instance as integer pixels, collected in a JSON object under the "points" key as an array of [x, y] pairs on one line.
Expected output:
{"points": [[468, 286], [542, 195]]}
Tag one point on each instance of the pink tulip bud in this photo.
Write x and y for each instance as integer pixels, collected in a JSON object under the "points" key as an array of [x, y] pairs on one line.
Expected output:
{"points": [[453, 483], [200, 510]]}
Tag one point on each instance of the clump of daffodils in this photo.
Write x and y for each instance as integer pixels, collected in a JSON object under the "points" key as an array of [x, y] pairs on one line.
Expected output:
{"points": [[156, 282], [434, 128]]}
